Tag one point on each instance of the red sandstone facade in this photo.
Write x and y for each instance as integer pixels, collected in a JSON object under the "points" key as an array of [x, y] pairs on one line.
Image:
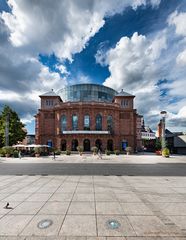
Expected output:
{"points": [[125, 130]]}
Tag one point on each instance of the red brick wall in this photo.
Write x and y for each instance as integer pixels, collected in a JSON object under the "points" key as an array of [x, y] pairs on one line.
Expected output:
{"points": [[124, 123]]}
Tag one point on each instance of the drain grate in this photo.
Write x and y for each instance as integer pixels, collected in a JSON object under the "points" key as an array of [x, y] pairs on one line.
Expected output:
{"points": [[113, 224], [45, 223]]}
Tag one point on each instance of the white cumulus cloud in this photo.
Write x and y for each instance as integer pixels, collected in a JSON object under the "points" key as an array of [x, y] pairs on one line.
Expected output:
{"points": [[63, 27]]}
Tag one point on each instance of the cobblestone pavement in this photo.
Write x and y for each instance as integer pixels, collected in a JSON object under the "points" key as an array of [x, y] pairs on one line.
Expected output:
{"points": [[92, 207]]}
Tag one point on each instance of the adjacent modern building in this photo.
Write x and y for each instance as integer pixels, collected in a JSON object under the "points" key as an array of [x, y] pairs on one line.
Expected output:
{"points": [[176, 141], [88, 115]]}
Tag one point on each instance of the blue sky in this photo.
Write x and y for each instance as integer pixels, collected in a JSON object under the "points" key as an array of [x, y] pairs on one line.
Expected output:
{"points": [[139, 46]]}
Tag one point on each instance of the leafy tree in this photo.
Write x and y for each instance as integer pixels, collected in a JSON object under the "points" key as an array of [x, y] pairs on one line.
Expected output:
{"points": [[16, 132], [158, 144]]}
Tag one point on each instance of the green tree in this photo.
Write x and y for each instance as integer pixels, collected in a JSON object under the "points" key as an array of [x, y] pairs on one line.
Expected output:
{"points": [[158, 144], [16, 132]]}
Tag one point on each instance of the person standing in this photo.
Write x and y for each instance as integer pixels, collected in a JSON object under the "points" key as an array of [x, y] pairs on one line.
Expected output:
{"points": [[19, 154], [54, 155]]}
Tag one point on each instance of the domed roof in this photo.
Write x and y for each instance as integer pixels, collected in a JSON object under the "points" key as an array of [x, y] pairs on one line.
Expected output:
{"points": [[87, 92]]}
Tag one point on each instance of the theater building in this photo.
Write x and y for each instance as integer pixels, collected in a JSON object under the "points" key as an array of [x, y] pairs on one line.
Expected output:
{"points": [[88, 115]]}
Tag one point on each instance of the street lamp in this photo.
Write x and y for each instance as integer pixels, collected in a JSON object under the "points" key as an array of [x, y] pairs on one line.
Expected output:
{"points": [[163, 115]]}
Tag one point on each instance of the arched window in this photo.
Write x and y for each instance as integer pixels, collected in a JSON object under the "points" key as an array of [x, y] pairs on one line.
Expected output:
{"points": [[74, 122], [99, 122], [86, 122], [63, 123], [109, 123]]}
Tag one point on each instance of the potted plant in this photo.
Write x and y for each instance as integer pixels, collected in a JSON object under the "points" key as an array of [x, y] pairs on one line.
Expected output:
{"points": [[37, 151], [80, 149], [57, 152], [117, 152], [2, 152], [107, 152], [94, 150], [128, 150], [16, 154], [68, 152], [8, 151], [165, 152]]}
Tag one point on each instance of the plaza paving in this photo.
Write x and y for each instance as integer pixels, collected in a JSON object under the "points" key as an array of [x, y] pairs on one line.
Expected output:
{"points": [[146, 158], [80, 207]]}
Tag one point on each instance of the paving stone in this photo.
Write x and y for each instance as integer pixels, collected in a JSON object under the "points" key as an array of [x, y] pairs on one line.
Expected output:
{"points": [[28, 190], [105, 197], [39, 197], [79, 225], [180, 221], [124, 230], [54, 208], [33, 230], [131, 197], [16, 197], [3, 195], [148, 226], [4, 210], [82, 208], [116, 238], [27, 208], [47, 190], [172, 208], [136, 209], [164, 198], [108, 208], [61, 197], [84, 190], [11, 225], [83, 197]]}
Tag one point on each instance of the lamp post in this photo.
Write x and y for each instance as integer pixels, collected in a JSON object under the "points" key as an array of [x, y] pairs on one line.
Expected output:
{"points": [[163, 115]]}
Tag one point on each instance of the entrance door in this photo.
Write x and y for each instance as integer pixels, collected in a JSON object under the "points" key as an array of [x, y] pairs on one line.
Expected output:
{"points": [[63, 145], [124, 144], [86, 145], [110, 145], [74, 144], [98, 144]]}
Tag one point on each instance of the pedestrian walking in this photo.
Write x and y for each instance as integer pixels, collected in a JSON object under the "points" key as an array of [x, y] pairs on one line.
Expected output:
{"points": [[19, 154], [99, 154], [54, 155]]}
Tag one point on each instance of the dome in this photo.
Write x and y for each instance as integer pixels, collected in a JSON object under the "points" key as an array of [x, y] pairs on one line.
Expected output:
{"points": [[87, 92]]}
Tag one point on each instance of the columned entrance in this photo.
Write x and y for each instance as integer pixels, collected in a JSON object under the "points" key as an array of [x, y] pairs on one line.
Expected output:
{"points": [[86, 145]]}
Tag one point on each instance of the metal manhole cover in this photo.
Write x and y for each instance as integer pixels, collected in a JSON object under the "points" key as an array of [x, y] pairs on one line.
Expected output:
{"points": [[113, 224], [44, 223]]}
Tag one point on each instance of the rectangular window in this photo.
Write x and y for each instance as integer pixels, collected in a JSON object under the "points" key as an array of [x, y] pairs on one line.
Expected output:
{"points": [[74, 122], [86, 122]]}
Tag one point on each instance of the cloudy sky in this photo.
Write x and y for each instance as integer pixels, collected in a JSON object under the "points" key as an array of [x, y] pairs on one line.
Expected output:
{"points": [[137, 45]]}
